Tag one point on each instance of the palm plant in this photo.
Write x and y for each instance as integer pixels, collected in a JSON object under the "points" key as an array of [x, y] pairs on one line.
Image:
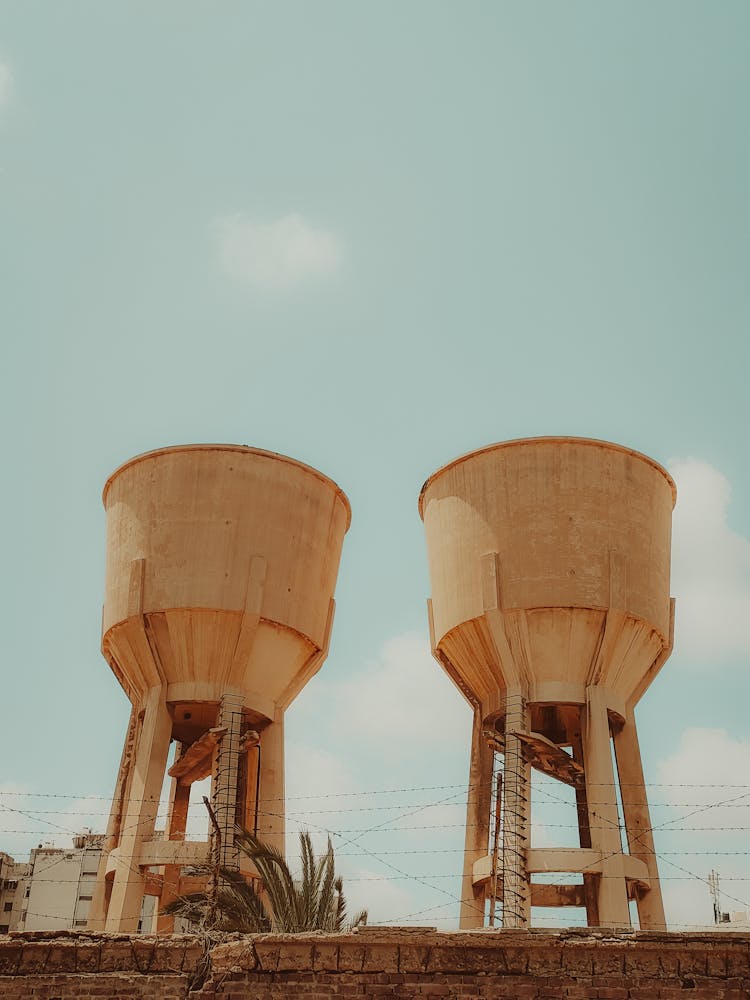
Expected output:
{"points": [[315, 902]]}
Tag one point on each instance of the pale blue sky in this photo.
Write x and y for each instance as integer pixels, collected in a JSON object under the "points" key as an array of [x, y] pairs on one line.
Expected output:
{"points": [[370, 236]]}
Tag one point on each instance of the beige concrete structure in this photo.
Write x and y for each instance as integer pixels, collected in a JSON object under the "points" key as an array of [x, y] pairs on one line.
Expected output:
{"points": [[13, 875], [52, 890], [60, 885], [549, 567], [220, 573]]}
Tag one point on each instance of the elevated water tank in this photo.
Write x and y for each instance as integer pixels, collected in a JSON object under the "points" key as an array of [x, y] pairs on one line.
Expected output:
{"points": [[549, 568], [221, 565]]}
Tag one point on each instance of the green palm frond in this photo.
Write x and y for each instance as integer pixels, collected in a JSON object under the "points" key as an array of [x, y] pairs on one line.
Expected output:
{"points": [[239, 906], [283, 905]]}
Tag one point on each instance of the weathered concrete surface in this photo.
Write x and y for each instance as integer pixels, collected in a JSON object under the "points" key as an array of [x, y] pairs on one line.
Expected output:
{"points": [[550, 610], [379, 962], [218, 607]]}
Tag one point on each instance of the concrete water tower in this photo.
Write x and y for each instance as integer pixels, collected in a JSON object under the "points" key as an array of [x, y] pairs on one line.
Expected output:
{"points": [[220, 573], [549, 566]]}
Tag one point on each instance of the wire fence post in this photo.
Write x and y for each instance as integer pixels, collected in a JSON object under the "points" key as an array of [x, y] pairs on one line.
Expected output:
{"points": [[213, 890], [495, 846]]}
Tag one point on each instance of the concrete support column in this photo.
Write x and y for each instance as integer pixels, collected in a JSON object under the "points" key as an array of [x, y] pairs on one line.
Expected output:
{"points": [[253, 761], [178, 816], [612, 897], [100, 900], [225, 776], [638, 822], [516, 789], [149, 764], [590, 881], [271, 826], [477, 825]]}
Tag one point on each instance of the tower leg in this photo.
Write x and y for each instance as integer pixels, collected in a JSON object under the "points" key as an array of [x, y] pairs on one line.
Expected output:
{"points": [[477, 825], [149, 764], [99, 903], [584, 839], [178, 815], [516, 773], [612, 896], [271, 810], [638, 822]]}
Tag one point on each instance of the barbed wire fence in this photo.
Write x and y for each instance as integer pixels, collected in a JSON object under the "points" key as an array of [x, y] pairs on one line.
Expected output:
{"points": [[55, 814]]}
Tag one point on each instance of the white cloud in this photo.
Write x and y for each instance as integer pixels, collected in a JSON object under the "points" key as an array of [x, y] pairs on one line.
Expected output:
{"points": [[277, 256], [321, 792], [701, 823], [709, 767], [395, 798], [6, 79], [367, 889], [710, 567], [317, 784], [403, 703], [312, 774]]}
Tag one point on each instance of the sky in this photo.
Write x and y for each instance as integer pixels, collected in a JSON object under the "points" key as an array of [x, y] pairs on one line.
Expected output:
{"points": [[374, 237]]}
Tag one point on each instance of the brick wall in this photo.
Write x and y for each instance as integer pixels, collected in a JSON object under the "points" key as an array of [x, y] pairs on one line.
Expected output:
{"points": [[380, 962], [61, 965]]}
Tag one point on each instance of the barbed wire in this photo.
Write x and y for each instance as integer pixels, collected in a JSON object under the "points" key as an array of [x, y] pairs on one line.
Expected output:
{"points": [[356, 834], [381, 791], [429, 826]]}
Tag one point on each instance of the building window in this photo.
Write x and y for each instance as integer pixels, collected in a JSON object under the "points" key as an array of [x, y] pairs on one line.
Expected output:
{"points": [[10, 883], [85, 897], [7, 908], [4, 928], [81, 923]]}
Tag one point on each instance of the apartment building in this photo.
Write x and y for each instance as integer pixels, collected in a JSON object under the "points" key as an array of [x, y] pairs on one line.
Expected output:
{"points": [[53, 889], [12, 886]]}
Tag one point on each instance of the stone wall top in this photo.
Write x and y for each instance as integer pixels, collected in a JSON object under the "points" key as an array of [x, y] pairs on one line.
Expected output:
{"points": [[589, 951]]}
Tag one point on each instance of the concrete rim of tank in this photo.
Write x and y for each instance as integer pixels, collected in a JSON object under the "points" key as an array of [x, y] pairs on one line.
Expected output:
{"points": [[242, 449], [551, 439]]}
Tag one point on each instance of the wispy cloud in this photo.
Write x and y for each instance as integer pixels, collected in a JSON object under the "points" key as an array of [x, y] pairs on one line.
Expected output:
{"points": [[277, 256], [701, 815], [710, 566], [395, 802], [402, 702]]}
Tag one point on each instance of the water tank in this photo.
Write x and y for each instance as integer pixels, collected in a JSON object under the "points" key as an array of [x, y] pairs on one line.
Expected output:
{"points": [[549, 565], [557, 532], [221, 565], [199, 540]]}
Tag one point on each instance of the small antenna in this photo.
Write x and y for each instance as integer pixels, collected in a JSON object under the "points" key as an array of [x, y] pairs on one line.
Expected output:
{"points": [[713, 883]]}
